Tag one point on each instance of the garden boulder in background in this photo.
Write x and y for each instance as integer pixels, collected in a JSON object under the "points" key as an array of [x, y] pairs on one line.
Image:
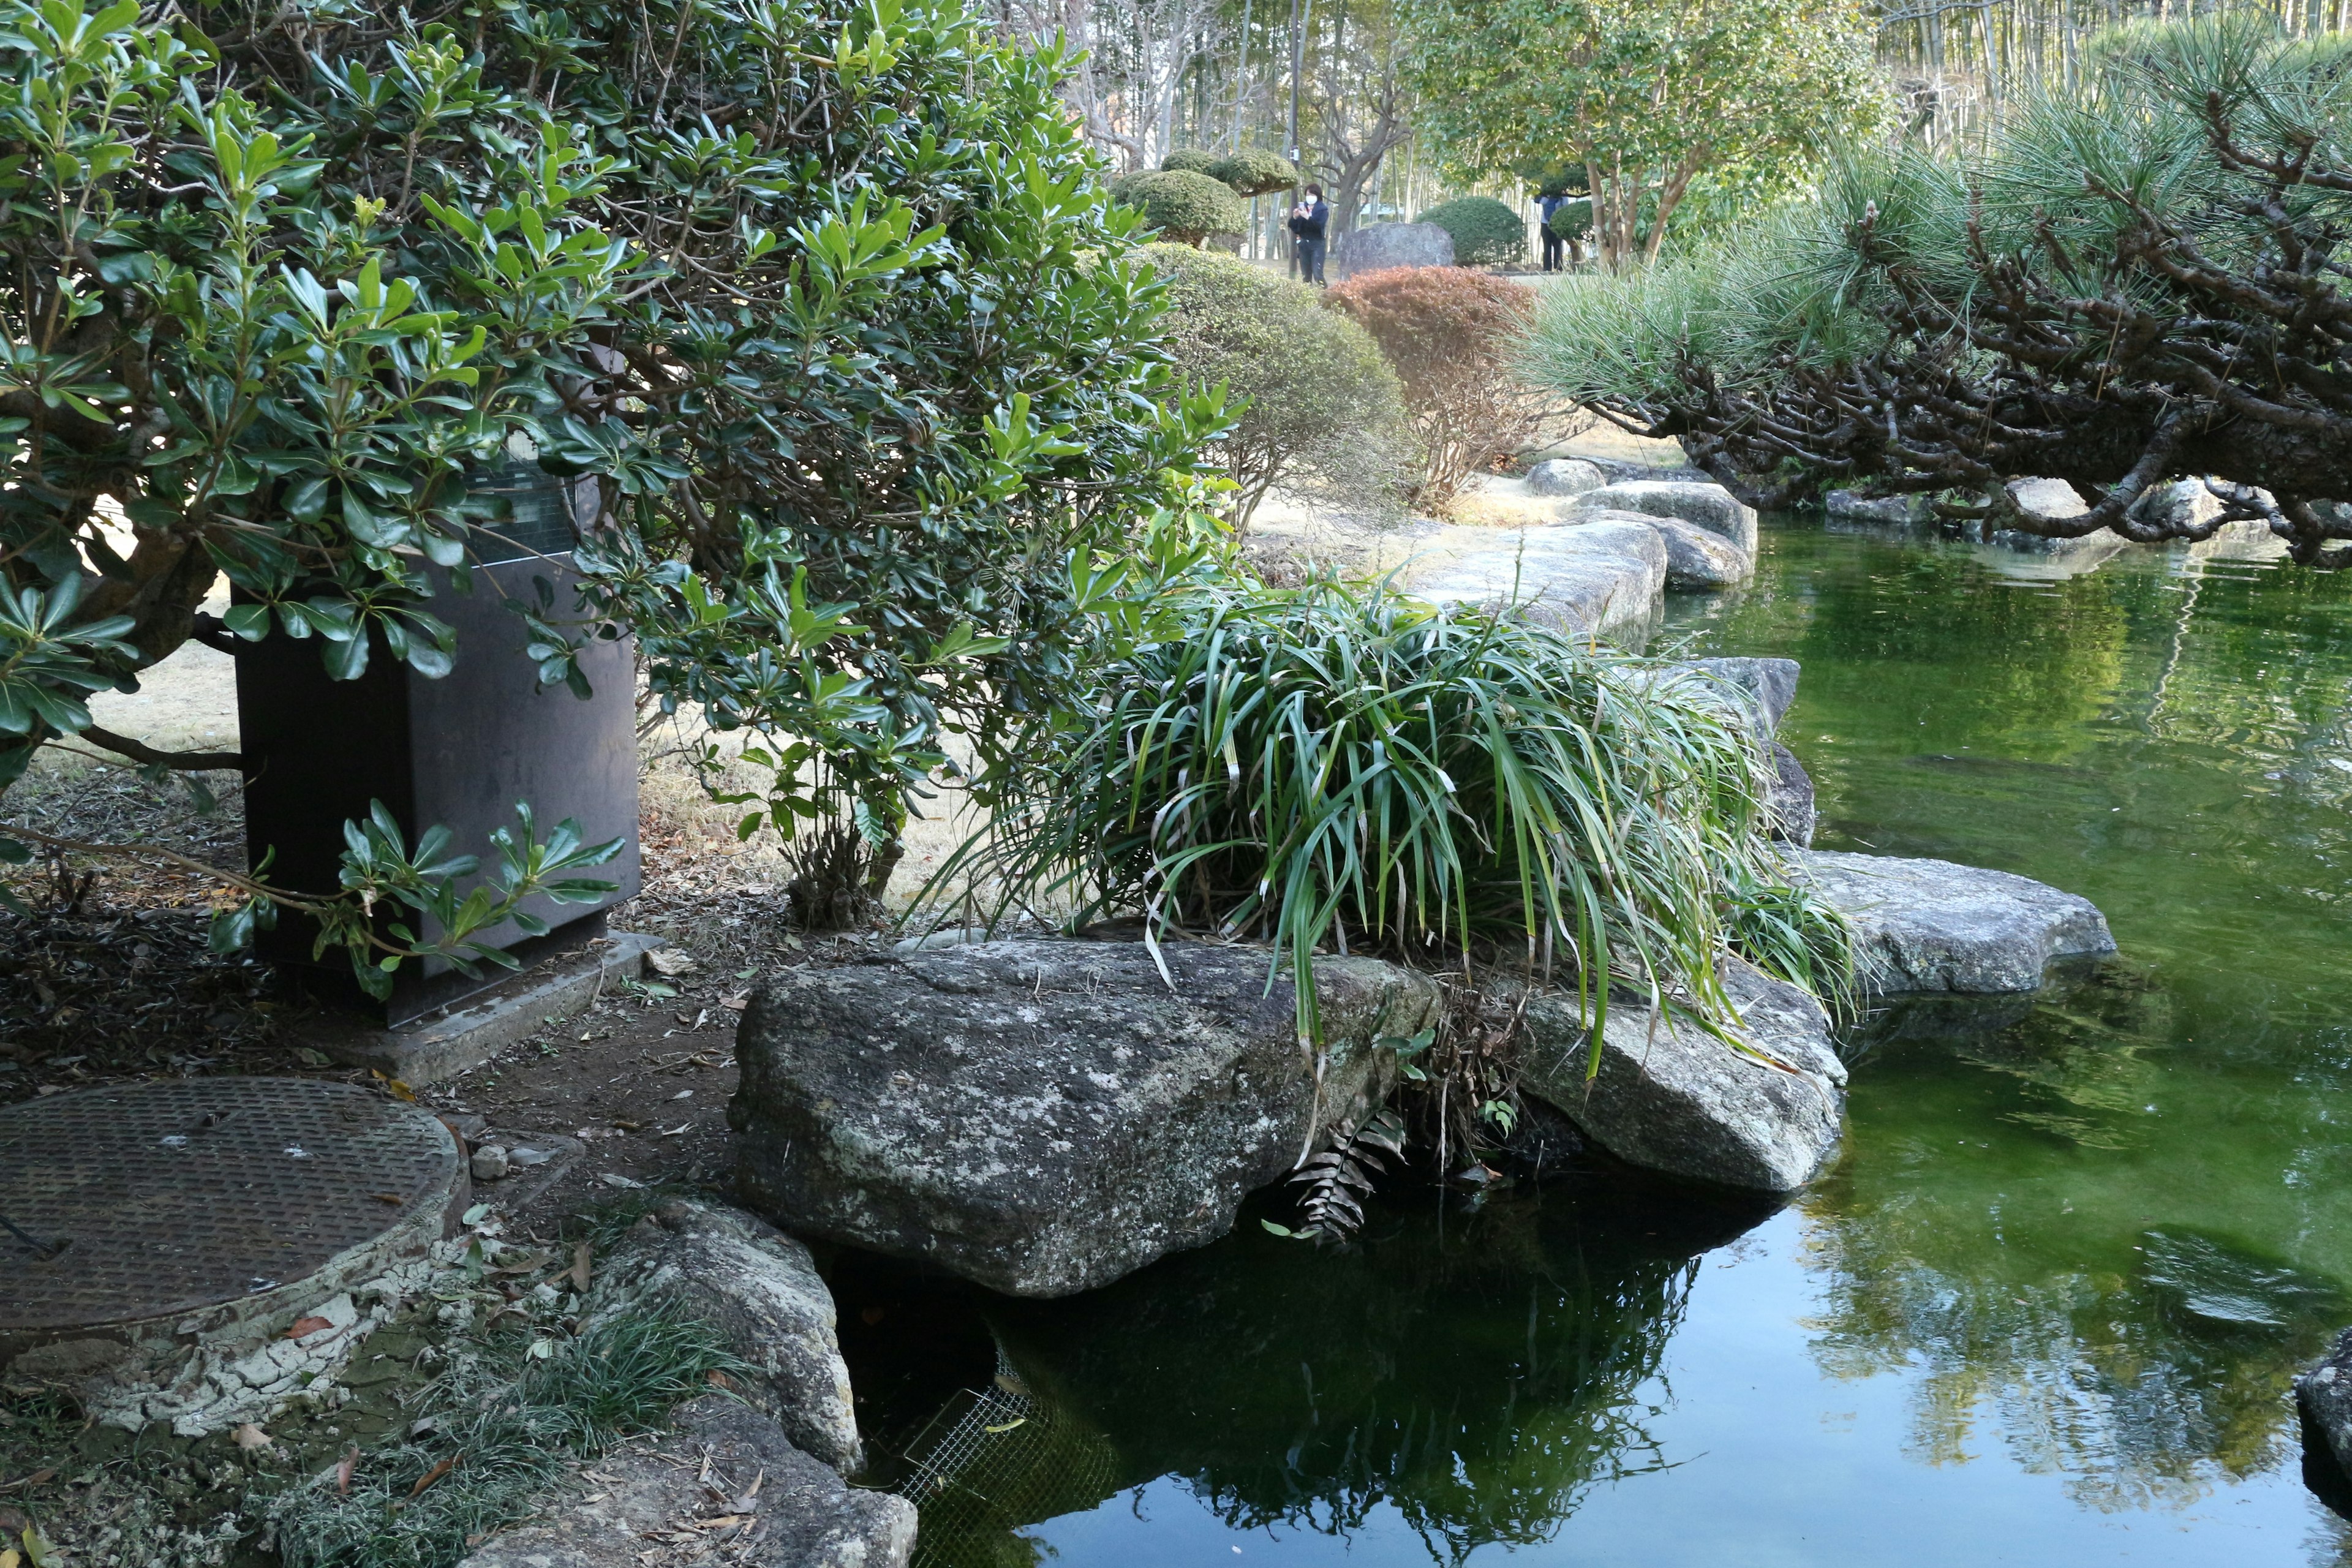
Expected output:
{"points": [[1387, 244], [1044, 1116]]}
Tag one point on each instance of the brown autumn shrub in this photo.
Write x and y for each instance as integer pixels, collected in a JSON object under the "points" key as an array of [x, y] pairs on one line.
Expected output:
{"points": [[1448, 331]]}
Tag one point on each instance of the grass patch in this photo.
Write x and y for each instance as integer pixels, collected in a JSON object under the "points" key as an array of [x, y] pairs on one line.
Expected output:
{"points": [[504, 1422]]}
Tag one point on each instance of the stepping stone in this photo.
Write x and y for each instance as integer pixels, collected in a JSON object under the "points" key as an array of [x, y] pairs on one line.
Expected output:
{"points": [[1931, 925]]}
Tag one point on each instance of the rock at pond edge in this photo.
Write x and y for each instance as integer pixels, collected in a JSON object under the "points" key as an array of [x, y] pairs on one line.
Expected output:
{"points": [[759, 1288], [1675, 1100], [1044, 1116], [654, 1489], [1933, 925]]}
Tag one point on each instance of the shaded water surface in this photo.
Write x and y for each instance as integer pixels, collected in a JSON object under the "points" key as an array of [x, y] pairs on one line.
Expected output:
{"points": [[2044, 1310]]}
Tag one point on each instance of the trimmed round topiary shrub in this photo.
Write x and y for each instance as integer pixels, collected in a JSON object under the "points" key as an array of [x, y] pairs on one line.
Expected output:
{"points": [[1325, 412], [1185, 208], [1193, 160], [1486, 233], [1572, 219], [1254, 172]]}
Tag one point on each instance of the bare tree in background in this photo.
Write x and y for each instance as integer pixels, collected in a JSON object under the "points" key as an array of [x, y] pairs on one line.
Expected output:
{"points": [[1362, 111], [1140, 56]]}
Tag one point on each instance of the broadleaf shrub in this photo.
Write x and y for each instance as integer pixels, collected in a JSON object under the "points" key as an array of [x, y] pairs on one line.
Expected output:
{"points": [[1324, 410], [1486, 233], [823, 293], [1334, 768], [1195, 160], [1184, 206], [1451, 334]]}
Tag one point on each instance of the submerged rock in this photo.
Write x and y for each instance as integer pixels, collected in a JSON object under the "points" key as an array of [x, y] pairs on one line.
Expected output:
{"points": [[1905, 510], [1671, 1098], [672, 1486], [1045, 1116], [1932, 925], [759, 1288], [1585, 578], [1708, 506]]}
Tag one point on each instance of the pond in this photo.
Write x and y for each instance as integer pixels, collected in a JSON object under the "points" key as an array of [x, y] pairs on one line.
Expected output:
{"points": [[2044, 1309]]}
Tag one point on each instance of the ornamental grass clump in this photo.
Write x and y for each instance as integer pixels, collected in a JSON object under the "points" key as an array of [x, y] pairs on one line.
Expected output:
{"points": [[1330, 768]]}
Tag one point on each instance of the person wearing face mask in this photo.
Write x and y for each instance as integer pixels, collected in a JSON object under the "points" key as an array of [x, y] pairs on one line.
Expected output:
{"points": [[1309, 222]]}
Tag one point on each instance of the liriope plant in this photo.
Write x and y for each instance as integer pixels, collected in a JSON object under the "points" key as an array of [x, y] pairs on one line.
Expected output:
{"points": [[1336, 769]]}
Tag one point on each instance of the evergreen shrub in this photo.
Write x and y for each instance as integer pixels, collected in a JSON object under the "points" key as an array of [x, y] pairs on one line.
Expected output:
{"points": [[1254, 172], [1184, 206], [1486, 233], [1324, 410]]}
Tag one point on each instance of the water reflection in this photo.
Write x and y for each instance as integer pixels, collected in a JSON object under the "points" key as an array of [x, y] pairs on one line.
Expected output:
{"points": [[1479, 1372]]}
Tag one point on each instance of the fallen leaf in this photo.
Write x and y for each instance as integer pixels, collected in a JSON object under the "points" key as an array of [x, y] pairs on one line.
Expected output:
{"points": [[628, 1126], [306, 1326], [392, 1086], [311, 1058], [435, 1474], [343, 1469], [581, 1253], [250, 1436], [718, 1379], [671, 961], [393, 1198], [8, 1560], [724, 1522], [735, 1004]]}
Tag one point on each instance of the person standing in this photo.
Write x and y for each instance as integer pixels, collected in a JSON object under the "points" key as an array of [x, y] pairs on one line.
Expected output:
{"points": [[1548, 204], [1309, 222]]}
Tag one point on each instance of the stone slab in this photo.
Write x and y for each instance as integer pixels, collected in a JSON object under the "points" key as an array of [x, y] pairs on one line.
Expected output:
{"points": [[1933, 925], [444, 1043]]}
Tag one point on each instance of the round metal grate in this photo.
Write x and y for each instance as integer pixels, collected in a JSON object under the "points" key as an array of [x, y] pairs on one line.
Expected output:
{"points": [[169, 1197]]}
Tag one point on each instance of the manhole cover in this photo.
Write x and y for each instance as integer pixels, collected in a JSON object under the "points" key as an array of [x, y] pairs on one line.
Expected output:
{"points": [[169, 1197]]}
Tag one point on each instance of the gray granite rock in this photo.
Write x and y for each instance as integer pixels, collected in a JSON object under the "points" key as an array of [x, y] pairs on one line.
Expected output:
{"points": [[1564, 476], [1671, 1098], [1931, 925], [1848, 506], [1597, 577], [759, 1288], [2052, 498], [2324, 1397], [1699, 560], [1753, 692], [1387, 244], [1709, 506], [656, 1491], [1789, 813], [1045, 1116]]}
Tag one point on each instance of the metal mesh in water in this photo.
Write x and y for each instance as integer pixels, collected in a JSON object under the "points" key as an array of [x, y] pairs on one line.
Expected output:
{"points": [[160, 1198], [992, 1460]]}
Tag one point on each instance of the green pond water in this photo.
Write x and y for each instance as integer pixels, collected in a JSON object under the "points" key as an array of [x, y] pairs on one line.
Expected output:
{"points": [[2044, 1309]]}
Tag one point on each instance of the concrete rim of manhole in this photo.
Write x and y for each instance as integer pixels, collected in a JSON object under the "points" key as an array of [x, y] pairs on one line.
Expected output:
{"points": [[192, 1205]]}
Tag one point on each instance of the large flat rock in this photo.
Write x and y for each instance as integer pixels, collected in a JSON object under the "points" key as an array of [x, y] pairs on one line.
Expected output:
{"points": [[1707, 505], [694, 1486], [2324, 1397], [1671, 1097], [1044, 1116], [1931, 925], [1590, 578]]}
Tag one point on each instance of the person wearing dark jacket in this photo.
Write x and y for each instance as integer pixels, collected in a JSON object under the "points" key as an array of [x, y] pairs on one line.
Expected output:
{"points": [[1548, 204], [1309, 220]]}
